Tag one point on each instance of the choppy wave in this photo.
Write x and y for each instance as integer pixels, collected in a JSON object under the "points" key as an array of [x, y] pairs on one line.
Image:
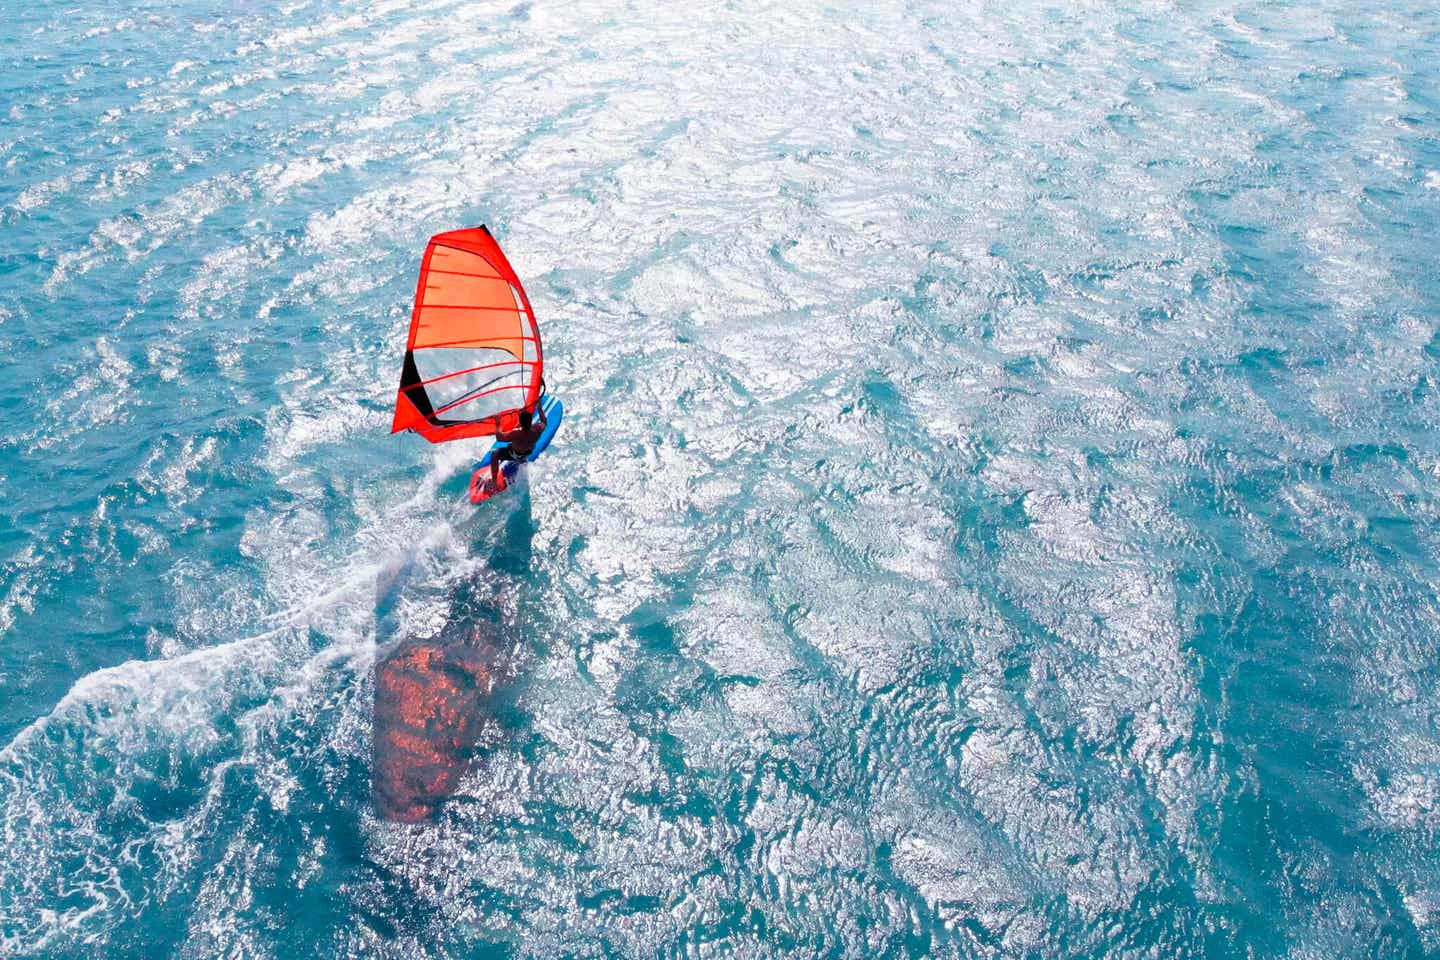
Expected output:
{"points": [[994, 515]]}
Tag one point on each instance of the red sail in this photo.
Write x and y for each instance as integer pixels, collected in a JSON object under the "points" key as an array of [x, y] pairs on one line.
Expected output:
{"points": [[473, 358]]}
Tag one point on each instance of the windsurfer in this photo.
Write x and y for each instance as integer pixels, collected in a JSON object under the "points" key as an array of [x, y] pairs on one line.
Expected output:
{"points": [[518, 445]]}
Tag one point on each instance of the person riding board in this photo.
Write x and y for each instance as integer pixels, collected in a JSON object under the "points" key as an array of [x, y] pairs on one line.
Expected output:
{"points": [[518, 445]]}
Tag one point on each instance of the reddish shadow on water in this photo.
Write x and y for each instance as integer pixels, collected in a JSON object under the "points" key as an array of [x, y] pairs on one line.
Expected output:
{"points": [[431, 707], [436, 697]]}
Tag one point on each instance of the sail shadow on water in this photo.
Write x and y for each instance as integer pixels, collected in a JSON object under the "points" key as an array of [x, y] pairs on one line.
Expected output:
{"points": [[440, 695]]}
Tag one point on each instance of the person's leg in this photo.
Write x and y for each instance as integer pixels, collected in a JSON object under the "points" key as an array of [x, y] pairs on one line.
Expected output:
{"points": [[497, 465]]}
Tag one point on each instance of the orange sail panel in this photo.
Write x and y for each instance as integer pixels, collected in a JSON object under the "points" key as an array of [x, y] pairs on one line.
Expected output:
{"points": [[473, 358]]}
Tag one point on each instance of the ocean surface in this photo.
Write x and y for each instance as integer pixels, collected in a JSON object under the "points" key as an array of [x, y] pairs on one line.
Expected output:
{"points": [[995, 516]]}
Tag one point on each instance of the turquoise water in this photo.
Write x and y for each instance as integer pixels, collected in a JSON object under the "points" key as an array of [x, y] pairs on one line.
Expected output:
{"points": [[995, 514]]}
